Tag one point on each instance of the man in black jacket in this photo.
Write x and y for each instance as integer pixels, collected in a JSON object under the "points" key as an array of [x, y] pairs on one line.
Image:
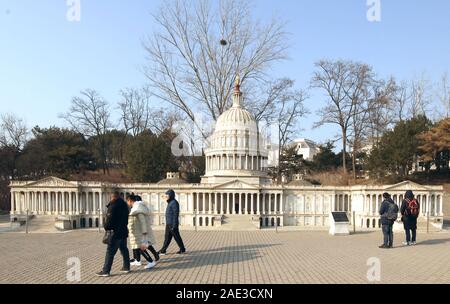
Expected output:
{"points": [[172, 215], [117, 221], [388, 214]]}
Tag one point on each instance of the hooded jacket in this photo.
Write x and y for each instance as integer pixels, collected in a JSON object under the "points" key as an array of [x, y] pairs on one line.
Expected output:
{"points": [[138, 224], [172, 210], [384, 209]]}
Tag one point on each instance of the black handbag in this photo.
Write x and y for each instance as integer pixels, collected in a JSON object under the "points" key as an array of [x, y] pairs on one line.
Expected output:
{"points": [[107, 238]]}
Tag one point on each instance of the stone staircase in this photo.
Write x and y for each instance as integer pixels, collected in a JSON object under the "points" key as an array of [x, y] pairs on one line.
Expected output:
{"points": [[238, 223], [41, 224]]}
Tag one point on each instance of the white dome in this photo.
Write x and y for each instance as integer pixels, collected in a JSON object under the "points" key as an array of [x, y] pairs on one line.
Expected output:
{"points": [[235, 118], [235, 147]]}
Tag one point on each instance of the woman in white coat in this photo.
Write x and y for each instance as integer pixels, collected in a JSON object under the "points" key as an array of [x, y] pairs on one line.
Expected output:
{"points": [[140, 232]]}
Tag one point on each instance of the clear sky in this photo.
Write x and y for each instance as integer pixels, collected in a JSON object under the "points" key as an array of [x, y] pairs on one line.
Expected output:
{"points": [[45, 59]]}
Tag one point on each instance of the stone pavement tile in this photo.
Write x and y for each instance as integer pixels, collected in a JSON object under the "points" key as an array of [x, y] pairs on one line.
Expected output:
{"points": [[224, 257]]}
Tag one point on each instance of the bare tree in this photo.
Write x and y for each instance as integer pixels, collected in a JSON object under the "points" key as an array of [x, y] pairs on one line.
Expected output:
{"points": [[399, 100], [420, 98], [444, 95], [89, 114], [13, 136], [191, 70], [135, 110], [345, 84], [13, 132], [290, 109]]}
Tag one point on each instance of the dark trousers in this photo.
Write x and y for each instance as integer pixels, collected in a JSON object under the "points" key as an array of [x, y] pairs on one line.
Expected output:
{"points": [[408, 234], [137, 255], [388, 235], [175, 233], [111, 250]]}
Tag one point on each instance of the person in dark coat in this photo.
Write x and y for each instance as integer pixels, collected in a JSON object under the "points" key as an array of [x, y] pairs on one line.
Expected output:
{"points": [[172, 223], [388, 214], [117, 221], [410, 212]]}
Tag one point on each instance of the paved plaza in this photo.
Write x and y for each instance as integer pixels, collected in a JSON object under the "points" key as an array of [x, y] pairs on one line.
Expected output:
{"points": [[221, 257]]}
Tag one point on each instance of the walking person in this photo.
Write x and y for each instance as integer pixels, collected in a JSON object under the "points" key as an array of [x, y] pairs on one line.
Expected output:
{"points": [[388, 214], [172, 223], [141, 234], [410, 212], [116, 221]]}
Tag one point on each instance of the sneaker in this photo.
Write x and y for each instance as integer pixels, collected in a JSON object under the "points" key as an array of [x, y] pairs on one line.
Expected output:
{"points": [[150, 265], [136, 263], [102, 274], [413, 243], [181, 251], [406, 243], [124, 270], [162, 253], [383, 247], [156, 257]]}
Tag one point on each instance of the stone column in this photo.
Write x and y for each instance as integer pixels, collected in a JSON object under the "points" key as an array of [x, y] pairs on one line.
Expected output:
{"points": [[13, 206], [246, 204], [210, 211], [441, 212], [270, 203], [77, 202], [240, 204], [257, 204], [251, 204], [233, 203], [216, 203]]}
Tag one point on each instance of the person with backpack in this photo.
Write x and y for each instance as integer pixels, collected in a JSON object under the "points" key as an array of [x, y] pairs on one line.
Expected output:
{"points": [[388, 214], [410, 212]]}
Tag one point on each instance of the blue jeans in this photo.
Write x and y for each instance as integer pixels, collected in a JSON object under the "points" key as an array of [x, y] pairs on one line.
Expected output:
{"points": [[111, 250], [388, 235]]}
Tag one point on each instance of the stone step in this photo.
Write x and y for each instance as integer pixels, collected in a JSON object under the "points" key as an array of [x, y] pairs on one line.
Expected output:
{"points": [[238, 222]]}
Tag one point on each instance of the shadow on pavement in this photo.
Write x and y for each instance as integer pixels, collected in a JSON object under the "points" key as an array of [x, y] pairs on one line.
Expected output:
{"points": [[218, 256]]}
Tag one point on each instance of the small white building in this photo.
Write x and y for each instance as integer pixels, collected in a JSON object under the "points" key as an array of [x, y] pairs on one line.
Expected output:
{"points": [[306, 148]]}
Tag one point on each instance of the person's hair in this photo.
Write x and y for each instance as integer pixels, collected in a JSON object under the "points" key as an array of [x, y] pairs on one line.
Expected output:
{"points": [[131, 197], [386, 195], [409, 195], [116, 194], [138, 198]]}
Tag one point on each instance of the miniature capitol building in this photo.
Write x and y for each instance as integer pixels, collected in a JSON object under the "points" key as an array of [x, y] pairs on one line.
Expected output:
{"points": [[235, 193]]}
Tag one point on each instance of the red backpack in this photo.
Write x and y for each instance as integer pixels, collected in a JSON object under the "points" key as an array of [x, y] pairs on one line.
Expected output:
{"points": [[412, 207]]}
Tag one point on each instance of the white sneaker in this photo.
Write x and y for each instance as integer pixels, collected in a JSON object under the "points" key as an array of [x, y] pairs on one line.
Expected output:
{"points": [[136, 263], [413, 243], [150, 265], [406, 243]]}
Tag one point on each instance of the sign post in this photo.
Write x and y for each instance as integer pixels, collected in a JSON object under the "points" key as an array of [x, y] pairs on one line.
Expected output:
{"points": [[26, 223], [339, 223]]}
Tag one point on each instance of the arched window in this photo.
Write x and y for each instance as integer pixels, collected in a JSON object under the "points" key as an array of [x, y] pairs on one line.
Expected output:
{"points": [[272, 222], [368, 223], [74, 224], [207, 221], [374, 223], [96, 222], [90, 222], [278, 222], [200, 221], [266, 222]]}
